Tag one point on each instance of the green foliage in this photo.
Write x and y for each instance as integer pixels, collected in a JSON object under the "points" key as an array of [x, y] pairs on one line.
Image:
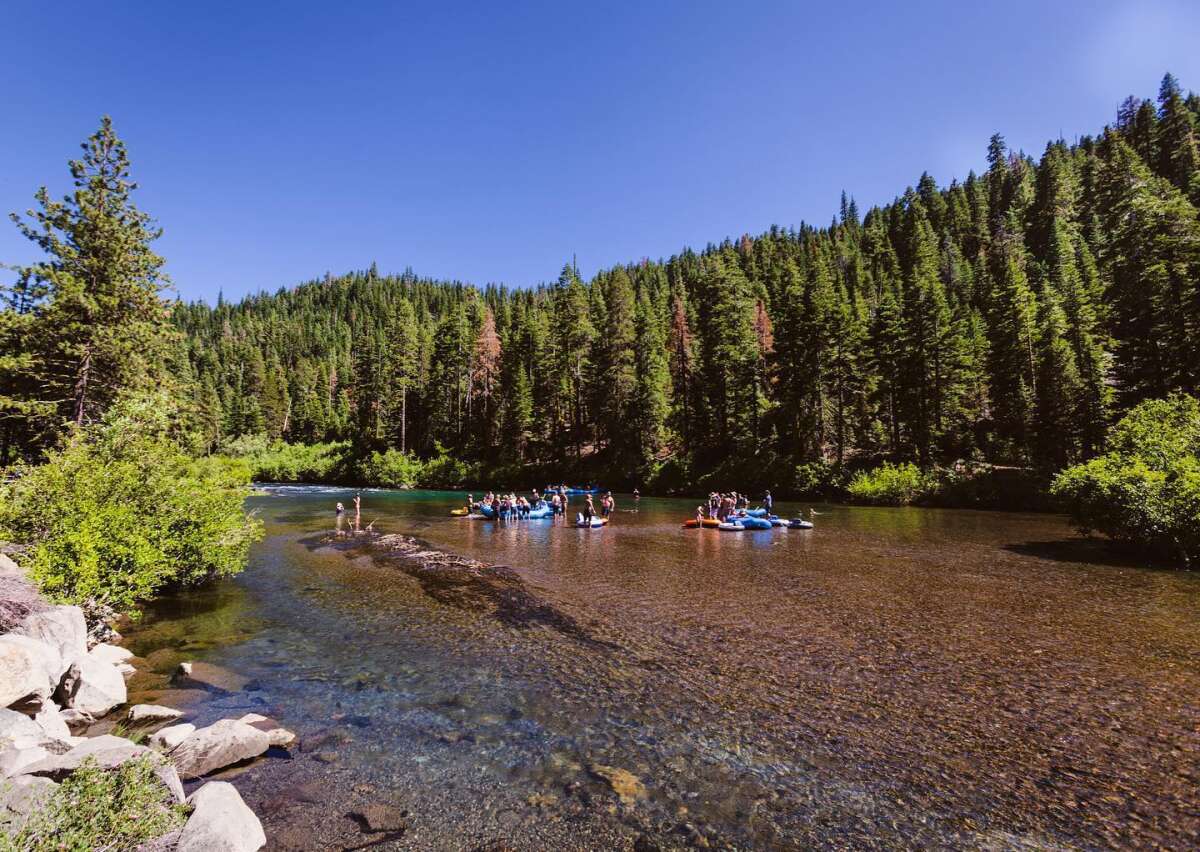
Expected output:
{"points": [[392, 469], [1146, 490], [93, 324], [96, 809], [892, 485], [121, 511], [278, 461]]}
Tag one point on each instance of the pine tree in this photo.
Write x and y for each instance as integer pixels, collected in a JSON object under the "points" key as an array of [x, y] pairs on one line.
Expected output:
{"points": [[93, 323]]}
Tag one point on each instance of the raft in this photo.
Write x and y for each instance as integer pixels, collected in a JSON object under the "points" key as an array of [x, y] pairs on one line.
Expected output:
{"points": [[540, 512], [460, 512], [707, 523], [753, 523], [799, 524], [756, 513], [596, 522], [729, 526], [777, 521], [573, 491], [487, 511]]}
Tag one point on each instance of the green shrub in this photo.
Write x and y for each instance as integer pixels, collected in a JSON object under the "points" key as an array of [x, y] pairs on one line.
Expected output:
{"points": [[283, 462], [95, 809], [445, 471], [121, 511], [892, 485], [1146, 490], [391, 469]]}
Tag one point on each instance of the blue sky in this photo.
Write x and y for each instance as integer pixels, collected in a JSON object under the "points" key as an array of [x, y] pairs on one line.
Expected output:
{"points": [[491, 142]]}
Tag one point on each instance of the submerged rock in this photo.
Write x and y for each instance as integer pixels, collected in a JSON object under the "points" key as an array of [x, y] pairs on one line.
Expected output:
{"points": [[92, 686], [221, 744], [198, 675], [220, 822], [625, 784]]}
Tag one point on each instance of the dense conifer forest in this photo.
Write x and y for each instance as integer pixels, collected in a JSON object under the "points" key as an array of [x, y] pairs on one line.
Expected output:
{"points": [[1007, 318]]}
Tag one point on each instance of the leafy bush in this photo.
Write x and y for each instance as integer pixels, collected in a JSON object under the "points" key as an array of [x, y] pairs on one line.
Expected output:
{"points": [[1146, 490], [892, 485], [121, 511], [815, 478], [95, 809], [392, 469], [279, 461], [446, 471]]}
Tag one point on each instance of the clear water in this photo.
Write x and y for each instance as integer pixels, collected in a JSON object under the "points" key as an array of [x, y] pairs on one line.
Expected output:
{"points": [[893, 678]]}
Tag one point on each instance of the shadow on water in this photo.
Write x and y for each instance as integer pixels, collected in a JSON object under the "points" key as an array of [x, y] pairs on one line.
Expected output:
{"points": [[464, 584], [1090, 552]]}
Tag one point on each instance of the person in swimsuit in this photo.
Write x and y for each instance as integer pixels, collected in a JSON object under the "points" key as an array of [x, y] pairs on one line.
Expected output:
{"points": [[341, 516]]}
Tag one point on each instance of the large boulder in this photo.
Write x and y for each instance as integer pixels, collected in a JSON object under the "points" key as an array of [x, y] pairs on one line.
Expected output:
{"points": [[60, 627], [16, 761], [145, 714], [108, 751], [29, 670], [221, 744], [92, 686], [111, 654], [168, 738], [220, 822]]}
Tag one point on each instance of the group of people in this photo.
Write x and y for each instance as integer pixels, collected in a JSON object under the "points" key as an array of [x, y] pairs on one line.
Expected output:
{"points": [[722, 505], [514, 506]]}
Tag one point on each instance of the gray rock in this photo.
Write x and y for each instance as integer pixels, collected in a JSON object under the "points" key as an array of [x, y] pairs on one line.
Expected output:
{"points": [[221, 744], [279, 735], [169, 738], [146, 713], [127, 671], [221, 822], [108, 751], [29, 670], [20, 797], [111, 654], [92, 686], [60, 627], [16, 727], [51, 721], [16, 761], [169, 775]]}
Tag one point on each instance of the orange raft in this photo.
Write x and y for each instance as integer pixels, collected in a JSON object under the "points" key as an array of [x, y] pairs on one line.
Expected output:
{"points": [[707, 523]]}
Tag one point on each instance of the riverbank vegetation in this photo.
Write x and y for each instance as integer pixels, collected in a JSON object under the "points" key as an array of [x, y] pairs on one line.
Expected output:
{"points": [[1145, 490], [111, 500]]}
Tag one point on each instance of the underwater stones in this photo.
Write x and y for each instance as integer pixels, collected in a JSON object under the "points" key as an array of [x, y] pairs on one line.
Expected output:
{"points": [[625, 784], [200, 675]]}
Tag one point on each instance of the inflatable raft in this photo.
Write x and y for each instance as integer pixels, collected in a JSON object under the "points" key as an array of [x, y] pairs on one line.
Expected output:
{"points": [[730, 526], [799, 524], [707, 523], [540, 512], [753, 523], [460, 512], [595, 523]]}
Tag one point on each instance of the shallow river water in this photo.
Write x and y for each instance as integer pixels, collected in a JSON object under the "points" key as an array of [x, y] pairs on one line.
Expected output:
{"points": [[908, 678]]}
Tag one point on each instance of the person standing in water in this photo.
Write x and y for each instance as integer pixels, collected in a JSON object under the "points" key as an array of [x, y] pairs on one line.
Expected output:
{"points": [[768, 503], [341, 516], [357, 511], [589, 510]]}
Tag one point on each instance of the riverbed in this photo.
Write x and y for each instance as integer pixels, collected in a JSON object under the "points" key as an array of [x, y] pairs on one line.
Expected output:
{"points": [[891, 678]]}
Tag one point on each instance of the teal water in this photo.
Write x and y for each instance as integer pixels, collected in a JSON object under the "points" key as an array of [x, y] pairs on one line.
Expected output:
{"points": [[893, 678]]}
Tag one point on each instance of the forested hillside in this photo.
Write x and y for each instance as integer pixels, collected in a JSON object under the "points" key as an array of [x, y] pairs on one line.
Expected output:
{"points": [[1009, 317]]}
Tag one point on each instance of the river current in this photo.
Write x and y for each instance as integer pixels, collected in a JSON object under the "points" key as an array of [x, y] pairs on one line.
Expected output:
{"points": [[911, 678]]}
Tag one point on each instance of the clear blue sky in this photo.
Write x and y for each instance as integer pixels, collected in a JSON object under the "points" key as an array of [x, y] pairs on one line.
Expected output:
{"points": [[490, 142]]}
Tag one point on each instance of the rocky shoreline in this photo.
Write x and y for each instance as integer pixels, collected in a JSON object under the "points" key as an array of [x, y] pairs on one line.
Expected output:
{"points": [[62, 698]]}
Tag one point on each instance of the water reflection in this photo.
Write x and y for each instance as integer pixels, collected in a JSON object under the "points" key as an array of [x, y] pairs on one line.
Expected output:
{"points": [[892, 678]]}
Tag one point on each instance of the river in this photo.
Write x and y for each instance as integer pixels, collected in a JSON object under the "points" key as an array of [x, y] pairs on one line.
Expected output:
{"points": [[892, 678]]}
